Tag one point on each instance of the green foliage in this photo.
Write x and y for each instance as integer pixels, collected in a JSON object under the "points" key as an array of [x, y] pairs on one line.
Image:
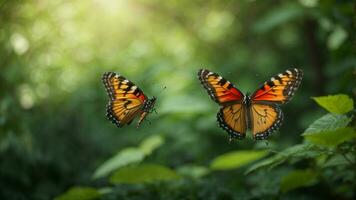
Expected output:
{"points": [[142, 174], [339, 160], [299, 151], [331, 130], [193, 171], [338, 104], [327, 123], [236, 159], [129, 156], [80, 193], [298, 178], [331, 138], [122, 158], [150, 144]]}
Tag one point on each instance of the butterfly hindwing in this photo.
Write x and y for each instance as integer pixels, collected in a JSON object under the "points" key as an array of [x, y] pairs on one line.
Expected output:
{"points": [[265, 119], [219, 89], [126, 99], [232, 119], [280, 89], [120, 114]]}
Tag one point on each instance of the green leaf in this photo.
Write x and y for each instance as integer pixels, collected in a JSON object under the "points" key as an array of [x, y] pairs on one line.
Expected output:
{"points": [[338, 104], [236, 159], [150, 144], [331, 138], [193, 171], [336, 38], [330, 130], [142, 174], [338, 160], [268, 163], [297, 179], [327, 123], [122, 158], [79, 193], [299, 151]]}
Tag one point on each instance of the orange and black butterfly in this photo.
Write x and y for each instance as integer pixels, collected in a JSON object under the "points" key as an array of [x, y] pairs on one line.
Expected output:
{"points": [[260, 111], [127, 101]]}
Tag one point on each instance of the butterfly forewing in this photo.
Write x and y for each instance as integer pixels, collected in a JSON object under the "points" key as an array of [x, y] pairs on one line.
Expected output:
{"points": [[126, 99], [232, 119], [265, 119], [219, 89], [280, 88]]}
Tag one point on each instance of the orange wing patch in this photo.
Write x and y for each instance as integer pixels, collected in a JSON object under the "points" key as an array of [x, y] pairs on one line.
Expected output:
{"points": [[120, 112], [118, 86], [233, 119], [265, 119], [280, 89], [219, 89], [126, 99]]}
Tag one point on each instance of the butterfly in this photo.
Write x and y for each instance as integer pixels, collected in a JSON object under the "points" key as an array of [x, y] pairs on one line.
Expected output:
{"points": [[127, 101], [260, 111]]}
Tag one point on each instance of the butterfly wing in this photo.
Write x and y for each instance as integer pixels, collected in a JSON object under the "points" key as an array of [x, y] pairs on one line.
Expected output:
{"points": [[232, 116], [126, 99], [265, 114], [280, 89], [265, 118], [232, 119], [219, 89]]}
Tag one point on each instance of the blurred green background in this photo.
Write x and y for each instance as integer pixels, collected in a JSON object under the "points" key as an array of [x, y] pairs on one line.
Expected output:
{"points": [[53, 130]]}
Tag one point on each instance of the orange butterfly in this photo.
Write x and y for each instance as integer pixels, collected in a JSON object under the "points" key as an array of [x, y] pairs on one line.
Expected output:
{"points": [[126, 100], [260, 111]]}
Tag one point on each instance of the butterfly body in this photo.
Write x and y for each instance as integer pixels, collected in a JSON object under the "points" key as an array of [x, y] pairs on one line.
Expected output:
{"points": [[148, 107], [259, 112], [126, 100]]}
